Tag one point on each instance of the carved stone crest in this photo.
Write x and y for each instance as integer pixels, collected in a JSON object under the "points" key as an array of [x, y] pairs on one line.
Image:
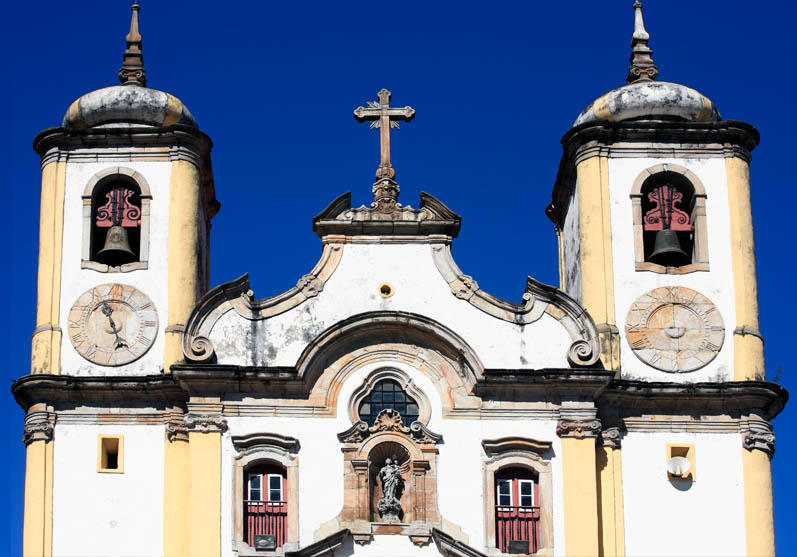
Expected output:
{"points": [[759, 440], [579, 429], [610, 437], [205, 423], [388, 420]]}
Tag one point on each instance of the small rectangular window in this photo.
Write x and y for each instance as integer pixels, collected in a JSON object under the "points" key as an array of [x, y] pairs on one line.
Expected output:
{"points": [[274, 487], [526, 493], [505, 492], [110, 454], [254, 487]]}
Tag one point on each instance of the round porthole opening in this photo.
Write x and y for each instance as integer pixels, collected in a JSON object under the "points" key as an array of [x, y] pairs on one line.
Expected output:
{"points": [[386, 290]]}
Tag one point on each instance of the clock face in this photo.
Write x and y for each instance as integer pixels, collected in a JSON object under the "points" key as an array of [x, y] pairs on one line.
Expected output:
{"points": [[674, 329], [113, 324]]}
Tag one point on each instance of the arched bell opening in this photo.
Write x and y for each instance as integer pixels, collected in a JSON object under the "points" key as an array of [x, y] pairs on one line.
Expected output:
{"points": [[116, 221], [668, 202]]}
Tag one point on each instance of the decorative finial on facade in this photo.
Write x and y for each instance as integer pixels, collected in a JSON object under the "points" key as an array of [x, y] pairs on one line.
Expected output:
{"points": [[642, 66], [382, 116], [132, 71]]}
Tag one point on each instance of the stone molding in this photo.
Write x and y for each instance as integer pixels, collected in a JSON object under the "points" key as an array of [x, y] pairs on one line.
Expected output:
{"points": [[538, 299], [450, 547], [611, 437], [762, 441], [205, 423], [494, 447], [432, 218], [322, 548], [176, 429], [389, 420], [236, 295], [578, 429], [247, 444], [39, 426]]}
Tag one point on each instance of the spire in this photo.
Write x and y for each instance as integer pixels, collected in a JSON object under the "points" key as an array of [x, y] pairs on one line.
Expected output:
{"points": [[642, 66], [132, 71]]}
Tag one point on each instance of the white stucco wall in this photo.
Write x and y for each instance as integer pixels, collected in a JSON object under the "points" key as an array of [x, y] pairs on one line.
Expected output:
{"points": [[151, 281], [663, 518], [571, 252], [105, 514], [716, 285], [460, 471], [419, 288]]}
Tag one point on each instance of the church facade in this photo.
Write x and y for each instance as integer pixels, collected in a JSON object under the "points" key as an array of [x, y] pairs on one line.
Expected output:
{"points": [[387, 405]]}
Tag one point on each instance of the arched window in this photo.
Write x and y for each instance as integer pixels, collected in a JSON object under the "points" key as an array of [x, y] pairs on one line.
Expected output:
{"points": [[517, 511], [265, 506], [116, 221], [387, 393], [669, 215]]}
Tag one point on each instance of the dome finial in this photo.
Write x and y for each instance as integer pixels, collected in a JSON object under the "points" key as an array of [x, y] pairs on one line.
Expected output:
{"points": [[642, 66], [132, 71]]}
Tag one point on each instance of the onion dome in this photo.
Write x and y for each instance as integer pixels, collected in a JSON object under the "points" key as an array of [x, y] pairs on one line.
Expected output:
{"points": [[643, 97], [132, 102]]}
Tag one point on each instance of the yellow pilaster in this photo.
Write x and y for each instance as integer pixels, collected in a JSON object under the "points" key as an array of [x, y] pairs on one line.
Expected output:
{"points": [[204, 538], [758, 518], [46, 343], [185, 245], [176, 484], [748, 347], [595, 237], [612, 522], [37, 528], [580, 505]]}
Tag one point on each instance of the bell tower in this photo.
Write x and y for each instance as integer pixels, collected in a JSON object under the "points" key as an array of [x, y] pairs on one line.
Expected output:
{"points": [[127, 196], [652, 210]]}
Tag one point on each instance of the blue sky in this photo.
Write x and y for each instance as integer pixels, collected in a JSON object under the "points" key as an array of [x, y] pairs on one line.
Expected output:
{"points": [[495, 85]]}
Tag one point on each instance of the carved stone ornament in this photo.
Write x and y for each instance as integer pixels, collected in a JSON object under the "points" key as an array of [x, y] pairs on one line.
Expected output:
{"points": [[674, 329], [389, 420], [611, 437], [205, 423], [39, 426], [579, 429], [176, 431], [310, 285], [759, 440]]}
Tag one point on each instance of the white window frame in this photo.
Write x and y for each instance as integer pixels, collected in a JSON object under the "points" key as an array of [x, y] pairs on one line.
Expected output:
{"points": [[281, 487], [498, 493], [520, 492]]}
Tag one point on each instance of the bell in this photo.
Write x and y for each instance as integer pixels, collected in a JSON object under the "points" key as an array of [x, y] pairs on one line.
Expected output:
{"points": [[667, 249], [116, 245]]}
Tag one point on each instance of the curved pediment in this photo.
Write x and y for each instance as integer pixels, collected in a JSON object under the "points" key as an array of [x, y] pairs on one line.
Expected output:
{"points": [[365, 290]]}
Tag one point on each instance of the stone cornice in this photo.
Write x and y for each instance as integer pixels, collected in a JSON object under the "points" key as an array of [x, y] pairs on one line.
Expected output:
{"points": [[175, 135], [494, 447], [323, 547], [731, 138], [625, 398], [432, 218], [151, 389], [639, 397]]}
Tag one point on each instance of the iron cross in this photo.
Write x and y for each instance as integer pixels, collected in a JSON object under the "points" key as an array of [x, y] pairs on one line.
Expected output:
{"points": [[384, 117]]}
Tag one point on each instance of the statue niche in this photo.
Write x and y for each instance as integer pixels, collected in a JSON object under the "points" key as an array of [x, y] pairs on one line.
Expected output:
{"points": [[390, 484], [390, 473]]}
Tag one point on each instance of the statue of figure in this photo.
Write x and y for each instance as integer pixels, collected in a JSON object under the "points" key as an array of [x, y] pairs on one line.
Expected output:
{"points": [[392, 484]]}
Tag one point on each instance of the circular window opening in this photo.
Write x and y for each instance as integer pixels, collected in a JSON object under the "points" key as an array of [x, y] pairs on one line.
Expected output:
{"points": [[386, 290]]}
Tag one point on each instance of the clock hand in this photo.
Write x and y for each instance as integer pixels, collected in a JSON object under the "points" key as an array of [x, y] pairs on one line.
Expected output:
{"points": [[119, 342]]}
